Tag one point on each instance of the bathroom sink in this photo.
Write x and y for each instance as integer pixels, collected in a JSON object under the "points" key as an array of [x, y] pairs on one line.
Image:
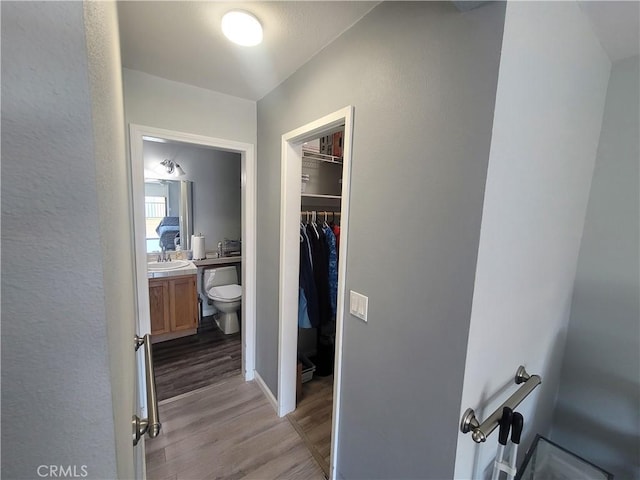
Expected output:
{"points": [[164, 266]]}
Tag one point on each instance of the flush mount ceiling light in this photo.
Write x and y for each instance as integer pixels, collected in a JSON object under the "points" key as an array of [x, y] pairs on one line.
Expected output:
{"points": [[172, 168], [242, 28]]}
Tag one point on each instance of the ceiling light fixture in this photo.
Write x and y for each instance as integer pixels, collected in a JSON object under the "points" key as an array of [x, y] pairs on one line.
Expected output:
{"points": [[173, 168], [242, 28]]}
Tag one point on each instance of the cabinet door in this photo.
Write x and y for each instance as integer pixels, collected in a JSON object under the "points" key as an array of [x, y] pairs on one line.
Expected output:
{"points": [[183, 296], [159, 306]]}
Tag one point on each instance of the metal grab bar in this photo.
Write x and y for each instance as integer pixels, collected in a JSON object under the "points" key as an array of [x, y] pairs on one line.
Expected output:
{"points": [[480, 432], [150, 425]]}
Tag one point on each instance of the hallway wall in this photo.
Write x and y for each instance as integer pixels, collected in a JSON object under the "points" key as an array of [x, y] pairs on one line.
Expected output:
{"points": [[156, 102], [597, 413], [422, 78], [551, 92], [114, 206], [65, 298]]}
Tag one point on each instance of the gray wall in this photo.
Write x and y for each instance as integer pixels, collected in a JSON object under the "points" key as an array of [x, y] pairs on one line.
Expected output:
{"points": [[422, 77], [114, 206], [216, 186], [156, 102], [217, 198], [67, 297], [546, 126], [597, 413]]}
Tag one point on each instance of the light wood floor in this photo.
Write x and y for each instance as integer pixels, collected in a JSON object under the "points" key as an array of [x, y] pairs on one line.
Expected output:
{"points": [[227, 431], [312, 418]]}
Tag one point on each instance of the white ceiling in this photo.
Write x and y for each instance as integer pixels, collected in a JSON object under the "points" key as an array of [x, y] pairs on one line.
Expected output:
{"points": [[182, 40]]}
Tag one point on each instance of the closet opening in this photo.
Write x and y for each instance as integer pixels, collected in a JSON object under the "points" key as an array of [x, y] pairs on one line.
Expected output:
{"points": [[316, 180]]}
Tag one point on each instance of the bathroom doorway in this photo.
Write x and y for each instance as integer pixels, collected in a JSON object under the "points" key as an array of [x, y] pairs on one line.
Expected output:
{"points": [[200, 335]]}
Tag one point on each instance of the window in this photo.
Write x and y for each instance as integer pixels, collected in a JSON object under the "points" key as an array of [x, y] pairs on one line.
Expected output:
{"points": [[155, 210]]}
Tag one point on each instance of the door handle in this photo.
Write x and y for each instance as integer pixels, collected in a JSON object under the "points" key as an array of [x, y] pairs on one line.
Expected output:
{"points": [[150, 425]]}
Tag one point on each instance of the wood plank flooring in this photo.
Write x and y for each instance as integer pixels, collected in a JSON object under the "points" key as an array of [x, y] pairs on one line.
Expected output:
{"points": [[227, 431], [312, 418], [189, 363]]}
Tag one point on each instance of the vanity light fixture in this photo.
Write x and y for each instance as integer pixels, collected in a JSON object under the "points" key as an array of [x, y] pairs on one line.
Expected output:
{"points": [[242, 28], [172, 168]]}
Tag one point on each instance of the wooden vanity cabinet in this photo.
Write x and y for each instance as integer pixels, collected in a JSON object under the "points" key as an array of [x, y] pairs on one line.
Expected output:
{"points": [[173, 305], [159, 306], [183, 298]]}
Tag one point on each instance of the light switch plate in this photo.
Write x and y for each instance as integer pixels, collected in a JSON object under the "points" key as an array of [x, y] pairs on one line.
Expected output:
{"points": [[358, 305]]}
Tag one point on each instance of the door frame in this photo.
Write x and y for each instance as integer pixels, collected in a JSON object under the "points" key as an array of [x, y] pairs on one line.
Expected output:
{"points": [[291, 168], [248, 209]]}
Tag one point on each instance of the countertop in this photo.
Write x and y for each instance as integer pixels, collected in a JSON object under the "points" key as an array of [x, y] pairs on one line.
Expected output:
{"points": [[189, 269], [207, 262]]}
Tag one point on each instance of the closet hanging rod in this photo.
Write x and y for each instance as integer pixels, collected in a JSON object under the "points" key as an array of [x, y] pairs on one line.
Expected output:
{"points": [[319, 212], [480, 431]]}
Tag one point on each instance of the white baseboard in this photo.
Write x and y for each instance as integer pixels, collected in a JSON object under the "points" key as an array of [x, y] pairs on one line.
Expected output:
{"points": [[267, 393]]}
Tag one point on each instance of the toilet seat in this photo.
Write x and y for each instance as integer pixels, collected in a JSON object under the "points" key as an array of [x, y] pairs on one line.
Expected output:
{"points": [[225, 293]]}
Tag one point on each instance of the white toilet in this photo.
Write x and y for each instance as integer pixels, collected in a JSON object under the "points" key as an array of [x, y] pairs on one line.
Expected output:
{"points": [[221, 286]]}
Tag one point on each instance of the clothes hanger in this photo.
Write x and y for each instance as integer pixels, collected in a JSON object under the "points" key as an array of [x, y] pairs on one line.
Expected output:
{"points": [[313, 223]]}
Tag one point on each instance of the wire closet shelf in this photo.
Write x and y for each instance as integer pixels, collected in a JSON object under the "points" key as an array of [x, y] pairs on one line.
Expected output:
{"points": [[314, 157]]}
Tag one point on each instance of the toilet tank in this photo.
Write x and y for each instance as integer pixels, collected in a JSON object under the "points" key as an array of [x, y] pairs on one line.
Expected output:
{"points": [[214, 277]]}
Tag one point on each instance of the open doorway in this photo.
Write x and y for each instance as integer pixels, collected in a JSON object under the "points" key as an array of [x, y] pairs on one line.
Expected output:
{"points": [[171, 196], [193, 214], [332, 204]]}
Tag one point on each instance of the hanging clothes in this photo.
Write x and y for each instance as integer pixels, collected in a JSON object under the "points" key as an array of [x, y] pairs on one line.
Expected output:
{"points": [[332, 268], [303, 313], [326, 332], [307, 285], [320, 258], [318, 292], [336, 231]]}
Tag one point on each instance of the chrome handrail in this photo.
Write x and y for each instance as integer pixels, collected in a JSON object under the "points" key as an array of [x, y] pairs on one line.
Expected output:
{"points": [[480, 432], [150, 425]]}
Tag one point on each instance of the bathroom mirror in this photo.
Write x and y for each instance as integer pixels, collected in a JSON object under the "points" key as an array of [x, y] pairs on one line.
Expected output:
{"points": [[168, 214]]}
